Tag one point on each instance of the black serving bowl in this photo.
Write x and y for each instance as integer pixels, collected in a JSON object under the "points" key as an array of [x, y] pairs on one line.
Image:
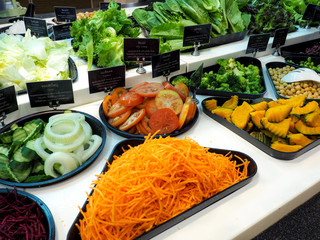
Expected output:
{"points": [[73, 233], [28, 198], [131, 135], [243, 60], [254, 141], [97, 128]]}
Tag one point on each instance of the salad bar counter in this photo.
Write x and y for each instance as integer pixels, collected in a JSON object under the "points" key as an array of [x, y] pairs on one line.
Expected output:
{"points": [[166, 157]]}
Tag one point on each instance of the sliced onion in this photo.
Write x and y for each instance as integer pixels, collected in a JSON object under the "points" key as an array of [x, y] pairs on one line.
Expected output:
{"points": [[94, 143], [87, 130], [58, 147], [77, 116], [79, 151], [63, 130], [66, 161], [38, 146]]}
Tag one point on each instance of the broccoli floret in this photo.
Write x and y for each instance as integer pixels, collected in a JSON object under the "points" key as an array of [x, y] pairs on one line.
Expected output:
{"points": [[224, 87], [223, 62], [182, 79], [205, 83]]}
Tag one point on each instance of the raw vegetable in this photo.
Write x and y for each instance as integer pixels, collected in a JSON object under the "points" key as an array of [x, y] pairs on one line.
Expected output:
{"points": [[99, 39], [39, 151], [152, 183], [31, 59], [285, 125], [20, 217]]}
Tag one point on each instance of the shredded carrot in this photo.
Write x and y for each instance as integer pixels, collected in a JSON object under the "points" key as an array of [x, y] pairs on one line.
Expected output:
{"points": [[152, 183]]}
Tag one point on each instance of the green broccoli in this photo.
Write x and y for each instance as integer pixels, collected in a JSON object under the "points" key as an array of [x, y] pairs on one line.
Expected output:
{"points": [[182, 79], [224, 87]]}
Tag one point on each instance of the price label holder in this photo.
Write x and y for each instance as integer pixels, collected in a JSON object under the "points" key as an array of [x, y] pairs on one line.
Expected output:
{"points": [[258, 43], [279, 39], [105, 5], [309, 14], [195, 36], [140, 50], [62, 31], [8, 103], [37, 26], [106, 79], [166, 63], [50, 93], [65, 14]]}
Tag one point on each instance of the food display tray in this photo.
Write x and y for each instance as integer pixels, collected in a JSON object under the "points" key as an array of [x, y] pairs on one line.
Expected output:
{"points": [[73, 233], [97, 128], [49, 224], [299, 49], [243, 60], [296, 60], [246, 136], [281, 65], [131, 135], [73, 73]]}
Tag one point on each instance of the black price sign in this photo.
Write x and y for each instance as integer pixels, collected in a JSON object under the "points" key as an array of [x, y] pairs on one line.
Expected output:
{"points": [[280, 37], [49, 93], [140, 48], [8, 100], [106, 79], [65, 14], [258, 43], [199, 34], [166, 63], [38, 27], [62, 31], [105, 5], [309, 12]]}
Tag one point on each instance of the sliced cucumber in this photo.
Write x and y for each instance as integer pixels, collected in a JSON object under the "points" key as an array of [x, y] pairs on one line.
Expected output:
{"points": [[4, 149], [38, 167], [37, 178], [6, 137], [21, 175], [6, 173], [19, 162], [33, 128], [19, 134], [4, 158], [28, 150]]}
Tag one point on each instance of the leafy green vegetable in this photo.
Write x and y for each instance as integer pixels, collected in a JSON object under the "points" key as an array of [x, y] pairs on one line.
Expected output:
{"points": [[31, 59], [100, 39]]}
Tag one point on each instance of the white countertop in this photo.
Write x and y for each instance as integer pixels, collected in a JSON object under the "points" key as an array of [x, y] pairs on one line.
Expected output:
{"points": [[278, 187]]}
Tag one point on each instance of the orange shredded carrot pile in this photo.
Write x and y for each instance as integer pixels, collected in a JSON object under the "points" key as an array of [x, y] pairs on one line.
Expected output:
{"points": [[153, 182]]}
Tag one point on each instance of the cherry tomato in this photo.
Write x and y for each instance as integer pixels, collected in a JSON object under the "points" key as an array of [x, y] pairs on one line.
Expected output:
{"points": [[151, 107], [182, 88], [116, 121], [133, 120], [192, 109], [106, 104], [149, 90], [169, 99], [137, 86], [165, 120], [117, 93], [130, 99], [183, 114], [169, 86], [116, 110]]}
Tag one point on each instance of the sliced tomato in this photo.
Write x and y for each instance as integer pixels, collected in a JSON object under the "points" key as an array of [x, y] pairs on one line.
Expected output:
{"points": [[183, 88], [192, 109], [141, 129], [130, 99], [183, 114], [151, 107], [145, 124], [144, 103], [169, 86], [117, 109], [133, 120], [149, 90], [116, 121], [117, 93], [106, 104], [137, 86], [132, 130], [165, 120], [169, 99]]}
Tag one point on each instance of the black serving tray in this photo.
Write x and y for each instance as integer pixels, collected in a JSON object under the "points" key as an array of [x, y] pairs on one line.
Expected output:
{"points": [[296, 60], [243, 60], [97, 128], [246, 136], [299, 49], [73, 73], [73, 233], [49, 221], [131, 135], [281, 65]]}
